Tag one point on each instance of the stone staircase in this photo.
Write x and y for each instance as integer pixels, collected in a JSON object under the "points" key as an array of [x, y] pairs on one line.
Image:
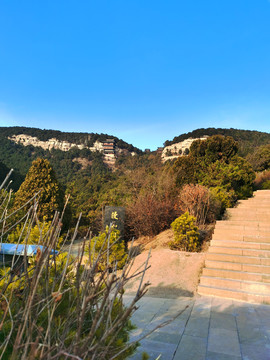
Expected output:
{"points": [[237, 264]]}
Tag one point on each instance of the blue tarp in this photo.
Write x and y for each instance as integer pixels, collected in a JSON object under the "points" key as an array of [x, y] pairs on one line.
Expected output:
{"points": [[15, 249]]}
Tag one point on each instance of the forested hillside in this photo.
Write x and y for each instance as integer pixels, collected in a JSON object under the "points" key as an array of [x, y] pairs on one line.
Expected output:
{"points": [[68, 165], [86, 139], [151, 191], [247, 140], [20, 158]]}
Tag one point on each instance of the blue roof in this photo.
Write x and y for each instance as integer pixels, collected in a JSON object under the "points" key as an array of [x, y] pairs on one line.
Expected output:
{"points": [[19, 249]]}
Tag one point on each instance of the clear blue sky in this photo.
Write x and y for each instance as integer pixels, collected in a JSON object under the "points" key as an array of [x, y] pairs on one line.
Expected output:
{"points": [[143, 70]]}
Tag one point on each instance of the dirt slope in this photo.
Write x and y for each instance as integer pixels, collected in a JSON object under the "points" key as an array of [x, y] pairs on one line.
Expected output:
{"points": [[172, 273]]}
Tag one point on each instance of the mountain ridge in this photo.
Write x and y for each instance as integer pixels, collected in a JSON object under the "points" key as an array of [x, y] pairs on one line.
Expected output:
{"points": [[79, 138], [247, 139], [79, 160]]}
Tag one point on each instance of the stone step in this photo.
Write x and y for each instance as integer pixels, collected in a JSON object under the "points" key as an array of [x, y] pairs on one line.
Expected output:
{"points": [[258, 207], [264, 218], [249, 232], [242, 222], [259, 215], [264, 213], [240, 237], [241, 244], [231, 294], [259, 196], [251, 215], [237, 264], [259, 239], [233, 284], [256, 213], [252, 207], [238, 259], [239, 251], [253, 229], [248, 209], [255, 200], [237, 275], [225, 265], [242, 225], [265, 199], [261, 193], [247, 216]]}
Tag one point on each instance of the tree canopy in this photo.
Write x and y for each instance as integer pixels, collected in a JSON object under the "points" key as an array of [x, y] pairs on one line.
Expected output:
{"points": [[214, 163], [260, 159]]}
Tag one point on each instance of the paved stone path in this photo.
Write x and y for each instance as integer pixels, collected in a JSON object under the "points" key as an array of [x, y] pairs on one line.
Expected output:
{"points": [[209, 329]]}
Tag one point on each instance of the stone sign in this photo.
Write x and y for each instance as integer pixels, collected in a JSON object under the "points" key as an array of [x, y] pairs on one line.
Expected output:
{"points": [[115, 215]]}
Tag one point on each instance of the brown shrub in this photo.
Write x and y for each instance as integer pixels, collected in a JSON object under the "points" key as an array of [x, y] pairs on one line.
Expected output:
{"points": [[198, 201], [262, 179], [149, 215]]}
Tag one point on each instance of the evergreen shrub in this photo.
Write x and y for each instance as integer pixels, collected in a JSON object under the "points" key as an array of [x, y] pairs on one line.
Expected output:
{"points": [[108, 249], [226, 197], [266, 185], [186, 234], [36, 234]]}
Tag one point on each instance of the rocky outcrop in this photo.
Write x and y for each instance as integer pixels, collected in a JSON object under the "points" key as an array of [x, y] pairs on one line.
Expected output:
{"points": [[53, 143], [179, 149]]}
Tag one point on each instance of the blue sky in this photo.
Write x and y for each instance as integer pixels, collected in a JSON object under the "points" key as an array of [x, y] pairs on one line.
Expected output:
{"points": [[145, 71]]}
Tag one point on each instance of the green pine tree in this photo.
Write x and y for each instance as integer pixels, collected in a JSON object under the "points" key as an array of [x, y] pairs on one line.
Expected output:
{"points": [[41, 180]]}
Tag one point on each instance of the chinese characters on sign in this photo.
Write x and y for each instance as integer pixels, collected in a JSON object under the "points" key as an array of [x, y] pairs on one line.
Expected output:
{"points": [[115, 215]]}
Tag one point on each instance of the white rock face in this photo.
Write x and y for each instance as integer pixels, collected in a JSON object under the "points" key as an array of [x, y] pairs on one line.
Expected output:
{"points": [[98, 146], [179, 149], [53, 143], [46, 145]]}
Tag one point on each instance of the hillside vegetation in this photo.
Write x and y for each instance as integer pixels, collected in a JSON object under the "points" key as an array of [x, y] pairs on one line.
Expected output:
{"points": [[67, 164], [247, 140], [86, 139], [206, 181], [187, 194]]}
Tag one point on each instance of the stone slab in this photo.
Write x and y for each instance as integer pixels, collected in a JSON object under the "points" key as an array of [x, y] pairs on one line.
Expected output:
{"points": [[218, 356], [224, 341], [222, 321], [164, 337], [191, 347], [256, 352], [155, 348], [210, 329], [198, 326]]}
